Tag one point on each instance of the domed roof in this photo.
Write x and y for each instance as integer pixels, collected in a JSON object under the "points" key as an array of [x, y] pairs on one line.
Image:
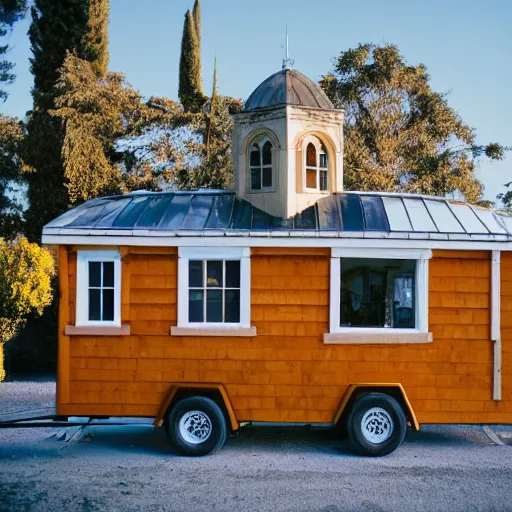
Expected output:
{"points": [[288, 87]]}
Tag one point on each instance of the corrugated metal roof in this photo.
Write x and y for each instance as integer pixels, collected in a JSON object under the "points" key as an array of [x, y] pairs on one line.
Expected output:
{"points": [[288, 87], [203, 211]]}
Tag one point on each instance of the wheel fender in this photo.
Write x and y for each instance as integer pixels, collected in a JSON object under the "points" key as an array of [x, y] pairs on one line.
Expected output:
{"points": [[192, 386], [396, 389]]}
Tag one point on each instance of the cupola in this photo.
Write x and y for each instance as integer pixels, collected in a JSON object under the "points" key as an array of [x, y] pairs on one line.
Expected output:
{"points": [[288, 145]]}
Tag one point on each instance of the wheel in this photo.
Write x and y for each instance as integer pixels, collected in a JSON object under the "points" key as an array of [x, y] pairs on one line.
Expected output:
{"points": [[376, 425], [196, 426]]}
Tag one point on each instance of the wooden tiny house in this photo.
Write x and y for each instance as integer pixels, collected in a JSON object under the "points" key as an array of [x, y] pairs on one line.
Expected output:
{"points": [[288, 301]]}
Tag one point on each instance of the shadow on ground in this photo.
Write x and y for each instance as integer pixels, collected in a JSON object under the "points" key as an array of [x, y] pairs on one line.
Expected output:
{"points": [[150, 441]]}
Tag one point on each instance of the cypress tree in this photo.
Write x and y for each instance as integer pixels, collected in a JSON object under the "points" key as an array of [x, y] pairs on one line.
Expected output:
{"points": [[212, 108], [196, 15], [190, 91], [58, 27], [96, 36]]}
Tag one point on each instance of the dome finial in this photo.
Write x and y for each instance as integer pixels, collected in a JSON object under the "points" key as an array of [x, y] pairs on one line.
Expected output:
{"points": [[287, 62]]}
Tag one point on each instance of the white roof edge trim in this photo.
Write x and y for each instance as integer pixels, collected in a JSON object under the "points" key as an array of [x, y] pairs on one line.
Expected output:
{"points": [[397, 254], [296, 242], [247, 233]]}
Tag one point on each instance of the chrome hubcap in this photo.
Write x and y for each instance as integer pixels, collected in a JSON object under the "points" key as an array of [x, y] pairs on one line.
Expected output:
{"points": [[195, 427], [377, 425]]}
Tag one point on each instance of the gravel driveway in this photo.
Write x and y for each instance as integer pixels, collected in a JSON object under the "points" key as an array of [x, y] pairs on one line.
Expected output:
{"points": [[263, 469]]}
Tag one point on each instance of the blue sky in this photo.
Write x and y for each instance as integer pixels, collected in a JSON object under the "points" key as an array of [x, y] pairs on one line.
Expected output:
{"points": [[466, 45]]}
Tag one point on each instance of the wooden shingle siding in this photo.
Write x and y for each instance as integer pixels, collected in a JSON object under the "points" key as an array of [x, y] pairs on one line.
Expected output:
{"points": [[506, 325], [286, 373]]}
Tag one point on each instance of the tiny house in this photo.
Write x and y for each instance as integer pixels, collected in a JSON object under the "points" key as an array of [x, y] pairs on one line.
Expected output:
{"points": [[288, 300]]}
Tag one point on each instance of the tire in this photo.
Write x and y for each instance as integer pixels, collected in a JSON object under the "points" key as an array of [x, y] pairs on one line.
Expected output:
{"points": [[376, 425], [196, 426]]}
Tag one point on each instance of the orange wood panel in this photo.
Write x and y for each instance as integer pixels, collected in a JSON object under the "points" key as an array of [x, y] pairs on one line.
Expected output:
{"points": [[286, 373], [460, 255], [290, 251], [63, 358]]}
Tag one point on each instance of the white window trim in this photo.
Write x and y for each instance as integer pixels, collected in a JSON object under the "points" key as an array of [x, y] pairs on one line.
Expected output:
{"points": [[496, 323], [184, 327], [260, 142], [82, 287], [368, 335], [311, 139]]}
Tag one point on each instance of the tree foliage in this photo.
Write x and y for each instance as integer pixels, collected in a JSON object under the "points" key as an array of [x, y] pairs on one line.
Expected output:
{"points": [[214, 127], [96, 114], [190, 87], [506, 198], [400, 135], [196, 16], [58, 27], [25, 286], [10, 12], [95, 36], [11, 136]]}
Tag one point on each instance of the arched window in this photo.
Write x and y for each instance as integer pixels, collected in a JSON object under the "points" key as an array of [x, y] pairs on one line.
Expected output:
{"points": [[317, 166], [260, 163]]}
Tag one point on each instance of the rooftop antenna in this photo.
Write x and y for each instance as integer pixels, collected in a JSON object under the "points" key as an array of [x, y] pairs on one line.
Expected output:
{"points": [[287, 62]]}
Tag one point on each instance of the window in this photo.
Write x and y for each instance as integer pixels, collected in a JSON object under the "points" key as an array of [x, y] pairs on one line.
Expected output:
{"points": [[214, 291], [98, 292], [379, 292], [260, 163], [316, 165]]}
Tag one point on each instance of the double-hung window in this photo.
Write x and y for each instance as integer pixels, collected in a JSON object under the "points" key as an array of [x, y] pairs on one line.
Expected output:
{"points": [[98, 297], [316, 166], [214, 291], [260, 160], [379, 296]]}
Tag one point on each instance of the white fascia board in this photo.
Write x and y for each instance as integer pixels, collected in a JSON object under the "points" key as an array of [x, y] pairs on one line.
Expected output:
{"points": [[221, 253], [391, 253], [272, 241], [438, 236], [376, 234]]}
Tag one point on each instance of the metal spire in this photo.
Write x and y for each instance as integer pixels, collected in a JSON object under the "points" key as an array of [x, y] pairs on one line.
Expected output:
{"points": [[287, 62]]}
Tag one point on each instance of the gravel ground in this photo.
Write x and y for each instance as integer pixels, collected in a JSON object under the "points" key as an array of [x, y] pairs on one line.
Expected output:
{"points": [[128, 469]]}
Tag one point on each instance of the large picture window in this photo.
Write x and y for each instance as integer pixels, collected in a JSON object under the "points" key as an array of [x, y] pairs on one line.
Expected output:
{"points": [[214, 291], [378, 293], [379, 296], [98, 291]]}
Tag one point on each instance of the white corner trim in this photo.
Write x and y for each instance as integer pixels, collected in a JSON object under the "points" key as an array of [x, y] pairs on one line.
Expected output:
{"points": [[214, 253], [376, 338], [496, 322], [82, 286], [210, 330]]}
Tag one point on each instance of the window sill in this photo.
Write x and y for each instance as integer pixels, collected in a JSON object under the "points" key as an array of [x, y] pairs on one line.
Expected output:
{"points": [[214, 331], [375, 338], [315, 191], [96, 330], [262, 191]]}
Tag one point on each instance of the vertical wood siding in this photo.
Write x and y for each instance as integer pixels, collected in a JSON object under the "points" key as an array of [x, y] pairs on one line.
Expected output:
{"points": [[286, 373]]}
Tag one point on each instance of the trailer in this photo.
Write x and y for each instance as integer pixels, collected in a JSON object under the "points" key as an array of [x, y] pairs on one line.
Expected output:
{"points": [[286, 301]]}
